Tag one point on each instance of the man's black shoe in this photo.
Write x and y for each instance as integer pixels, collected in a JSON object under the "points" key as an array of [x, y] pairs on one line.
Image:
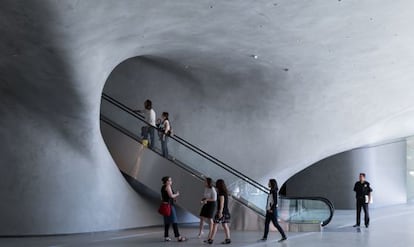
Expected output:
{"points": [[356, 225], [282, 239]]}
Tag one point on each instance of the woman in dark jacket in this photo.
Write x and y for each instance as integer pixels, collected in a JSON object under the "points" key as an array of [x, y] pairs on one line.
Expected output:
{"points": [[271, 211]]}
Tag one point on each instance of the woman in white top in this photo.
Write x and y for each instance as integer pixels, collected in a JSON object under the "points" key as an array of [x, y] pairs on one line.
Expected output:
{"points": [[271, 211], [209, 205], [165, 130]]}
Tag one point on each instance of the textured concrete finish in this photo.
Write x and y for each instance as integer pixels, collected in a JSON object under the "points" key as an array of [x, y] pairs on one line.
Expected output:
{"points": [[389, 227], [294, 81], [329, 76]]}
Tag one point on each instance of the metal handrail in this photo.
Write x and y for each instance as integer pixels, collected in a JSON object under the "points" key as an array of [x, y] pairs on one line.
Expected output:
{"points": [[175, 161], [190, 146], [205, 155]]}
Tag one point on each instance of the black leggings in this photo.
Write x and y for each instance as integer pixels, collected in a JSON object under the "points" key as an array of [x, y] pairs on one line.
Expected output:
{"points": [[272, 217], [167, 228]]}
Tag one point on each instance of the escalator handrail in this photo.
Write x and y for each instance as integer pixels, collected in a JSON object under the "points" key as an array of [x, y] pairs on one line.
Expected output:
{"points": [[208, 157], [190, 146], [315, 198], [137, 139]]}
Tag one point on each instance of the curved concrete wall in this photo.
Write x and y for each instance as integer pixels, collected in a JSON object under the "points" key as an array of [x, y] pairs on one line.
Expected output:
{"points": [[56, 175], [255, 122], [327, 76], [334, 177]]}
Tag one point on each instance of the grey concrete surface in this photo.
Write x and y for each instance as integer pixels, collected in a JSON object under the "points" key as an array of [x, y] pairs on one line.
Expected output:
{"points": [[329, 76], [390, 226], [334, 177]]}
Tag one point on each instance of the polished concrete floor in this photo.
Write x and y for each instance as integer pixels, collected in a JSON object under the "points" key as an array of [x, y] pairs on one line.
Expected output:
{"points": [[391, 226]]}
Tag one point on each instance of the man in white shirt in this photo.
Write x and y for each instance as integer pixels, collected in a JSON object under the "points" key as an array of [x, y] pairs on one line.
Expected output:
{"points": [[150, 117]]}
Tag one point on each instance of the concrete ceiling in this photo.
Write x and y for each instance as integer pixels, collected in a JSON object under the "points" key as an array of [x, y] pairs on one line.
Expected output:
{"points": [[328, 76]]}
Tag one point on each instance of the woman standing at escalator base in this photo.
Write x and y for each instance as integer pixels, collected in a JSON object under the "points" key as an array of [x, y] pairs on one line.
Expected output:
{"points": [[168, 196]]}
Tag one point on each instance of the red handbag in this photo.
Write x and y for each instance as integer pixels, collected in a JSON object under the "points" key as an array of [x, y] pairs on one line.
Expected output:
{"points": [[165, 209]]}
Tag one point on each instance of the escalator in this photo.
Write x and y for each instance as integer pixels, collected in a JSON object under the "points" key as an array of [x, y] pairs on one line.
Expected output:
{"points": [[188, 165]]}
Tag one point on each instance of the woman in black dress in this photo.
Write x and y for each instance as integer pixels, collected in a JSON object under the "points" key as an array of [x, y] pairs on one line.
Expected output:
{"points": [[209, 205], [222, 215]]}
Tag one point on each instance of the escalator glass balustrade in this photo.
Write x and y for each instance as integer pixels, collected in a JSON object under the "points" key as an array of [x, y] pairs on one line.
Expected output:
{"points": [[199, 163]]}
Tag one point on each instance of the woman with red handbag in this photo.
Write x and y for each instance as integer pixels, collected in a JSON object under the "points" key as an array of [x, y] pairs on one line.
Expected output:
{"points": [[168, 196]]}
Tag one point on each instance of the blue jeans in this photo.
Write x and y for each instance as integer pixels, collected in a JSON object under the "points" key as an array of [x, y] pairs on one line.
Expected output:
{"points": [[148, 131], [151, 132], [272, 217], [171, 220], [164, 147]]}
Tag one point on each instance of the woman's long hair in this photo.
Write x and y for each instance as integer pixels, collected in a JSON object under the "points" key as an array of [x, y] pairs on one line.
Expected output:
{"points": [[221, 187], [273, 185]]}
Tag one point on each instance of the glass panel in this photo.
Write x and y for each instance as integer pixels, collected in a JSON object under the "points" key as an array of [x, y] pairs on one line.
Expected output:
{"points": [[410, 169], [304, 210]]}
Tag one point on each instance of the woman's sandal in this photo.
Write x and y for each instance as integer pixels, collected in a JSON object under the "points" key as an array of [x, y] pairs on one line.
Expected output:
{"points": [[181, 239], [226, 241], [208, 241]]}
